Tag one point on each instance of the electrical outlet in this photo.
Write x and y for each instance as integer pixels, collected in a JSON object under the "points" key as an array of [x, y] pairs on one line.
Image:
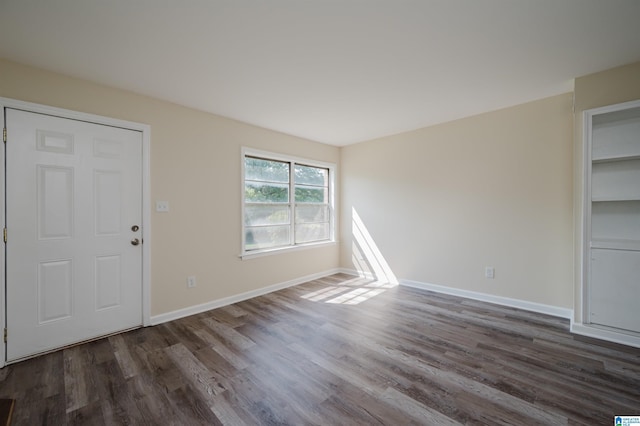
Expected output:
{"points": [[489, 272], [162, 206], [191, 282]]}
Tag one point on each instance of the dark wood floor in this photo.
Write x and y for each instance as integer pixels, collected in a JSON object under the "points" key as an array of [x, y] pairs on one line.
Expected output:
{"points": [[335, 351]]}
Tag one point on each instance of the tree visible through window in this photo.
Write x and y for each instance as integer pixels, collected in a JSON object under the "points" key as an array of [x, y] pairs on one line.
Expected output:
{"points": [[285, 203]]}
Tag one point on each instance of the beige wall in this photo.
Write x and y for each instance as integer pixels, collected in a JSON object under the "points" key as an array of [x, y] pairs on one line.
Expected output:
{"points": [[195, 165], [443, 202], [439, 203], [614, 86]]}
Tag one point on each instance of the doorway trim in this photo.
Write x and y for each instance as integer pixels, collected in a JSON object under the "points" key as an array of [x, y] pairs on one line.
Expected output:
{"points": [[146, 198]]}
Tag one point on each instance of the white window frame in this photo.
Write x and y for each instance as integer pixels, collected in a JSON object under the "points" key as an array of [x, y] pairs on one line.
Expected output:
{"points": [[251, 152]]}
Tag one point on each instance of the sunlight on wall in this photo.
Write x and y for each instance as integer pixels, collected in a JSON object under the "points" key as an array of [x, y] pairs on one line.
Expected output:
{"points": [[366, 254], [375, 274]]}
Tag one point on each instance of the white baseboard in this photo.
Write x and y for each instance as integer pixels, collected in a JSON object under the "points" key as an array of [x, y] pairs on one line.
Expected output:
{"points": [[196, 309], [366, 275], [577, 328], [602, 333], [606, 334], [484, 297], [499, 300]]}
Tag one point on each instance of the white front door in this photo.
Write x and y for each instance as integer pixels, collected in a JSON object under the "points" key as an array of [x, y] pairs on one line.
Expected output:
{"points": [[73, 219]]}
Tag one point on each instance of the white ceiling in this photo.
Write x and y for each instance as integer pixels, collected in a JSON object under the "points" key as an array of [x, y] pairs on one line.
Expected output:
{"points": [[333, 71]]}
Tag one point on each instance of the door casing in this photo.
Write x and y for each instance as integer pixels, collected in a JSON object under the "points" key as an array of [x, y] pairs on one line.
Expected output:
{"points": [[146, 200]]}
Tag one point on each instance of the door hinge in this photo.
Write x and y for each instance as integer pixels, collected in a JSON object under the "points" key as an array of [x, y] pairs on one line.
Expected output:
{"points": [[5, 335], [4, 235], [4, 135]]}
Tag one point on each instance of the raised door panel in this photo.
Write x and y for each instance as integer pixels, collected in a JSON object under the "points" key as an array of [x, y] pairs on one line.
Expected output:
{"points": [[55, 202], [108, 281], [615, 288], [108, 202], [55, 290]]}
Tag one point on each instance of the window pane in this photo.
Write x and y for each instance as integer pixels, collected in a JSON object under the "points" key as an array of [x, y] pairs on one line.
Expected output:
{"points": [[266, 237], [311, 194], [266, 192], [265, 170], [311, 175], [266, 215], [269, 218], [310, 213], [312, 232]]}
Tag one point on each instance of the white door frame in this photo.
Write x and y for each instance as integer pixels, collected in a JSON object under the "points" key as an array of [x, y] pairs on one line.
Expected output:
{"points": [[146, 198]]}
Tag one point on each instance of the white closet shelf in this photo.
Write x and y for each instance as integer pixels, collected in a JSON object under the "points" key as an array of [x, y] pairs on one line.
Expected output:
{"points": [[616, 244], [613, 158], [612, 239], [607, 199]]}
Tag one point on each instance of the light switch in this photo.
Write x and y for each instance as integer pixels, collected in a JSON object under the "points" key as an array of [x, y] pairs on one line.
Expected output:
{"points": [[489, 272], [162, 206]]}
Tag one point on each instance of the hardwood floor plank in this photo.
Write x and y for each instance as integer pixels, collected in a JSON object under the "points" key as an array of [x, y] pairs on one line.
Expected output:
{"points": [[122, 355], [234, 310], [296, 407], [260, 402], [192, 409], [339, 369], [88, 414], [339, 350], [197, 374], [78, 381], [416, 410], [225, 412], [229, 334], [229, 354], [164, 371]]}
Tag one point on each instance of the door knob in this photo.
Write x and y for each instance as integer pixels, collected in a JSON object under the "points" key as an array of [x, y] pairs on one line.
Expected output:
{"points": [[135, 242]]}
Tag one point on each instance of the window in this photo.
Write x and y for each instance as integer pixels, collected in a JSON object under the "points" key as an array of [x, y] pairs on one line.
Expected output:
{"points": [[287, 202]]}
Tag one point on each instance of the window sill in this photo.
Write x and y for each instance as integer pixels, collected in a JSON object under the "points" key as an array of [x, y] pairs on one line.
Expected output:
{"points": [[288, 249]]}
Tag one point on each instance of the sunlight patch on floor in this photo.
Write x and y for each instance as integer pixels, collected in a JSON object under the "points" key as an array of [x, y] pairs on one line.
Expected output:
{"points": [[320, 295], [350, 292], [375, 278], [356, 296]]}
